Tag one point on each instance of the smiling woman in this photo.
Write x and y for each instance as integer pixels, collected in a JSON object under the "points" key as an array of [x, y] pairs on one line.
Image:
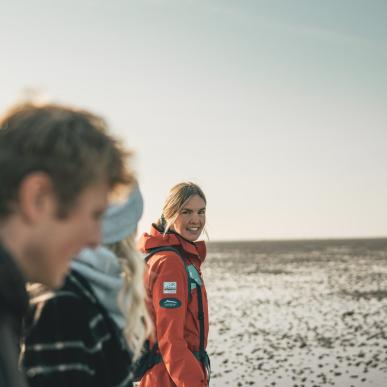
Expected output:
{"points": [[191, 220], [185, 211], [176, 293]]}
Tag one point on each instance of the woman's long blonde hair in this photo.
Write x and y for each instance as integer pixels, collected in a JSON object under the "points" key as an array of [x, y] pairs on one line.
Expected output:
{"points": [[138, 324]]}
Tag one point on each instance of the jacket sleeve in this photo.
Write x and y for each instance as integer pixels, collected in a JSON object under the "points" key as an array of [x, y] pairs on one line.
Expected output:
{"points": [[59, 349], [170, 301]]}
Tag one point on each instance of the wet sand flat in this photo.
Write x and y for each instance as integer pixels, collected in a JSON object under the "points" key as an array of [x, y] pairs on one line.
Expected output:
{"points": [[303, 313]]}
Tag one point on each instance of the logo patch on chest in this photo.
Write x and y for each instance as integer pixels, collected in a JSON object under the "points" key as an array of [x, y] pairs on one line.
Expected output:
{"points": [[170, 303], [169, 287]]}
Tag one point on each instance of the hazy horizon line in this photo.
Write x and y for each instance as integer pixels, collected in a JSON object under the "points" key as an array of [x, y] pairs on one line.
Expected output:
{"points": [[299, 239]]}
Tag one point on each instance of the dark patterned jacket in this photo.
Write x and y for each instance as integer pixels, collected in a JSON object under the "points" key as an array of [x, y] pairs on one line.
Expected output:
{"points": [[72, 342]]}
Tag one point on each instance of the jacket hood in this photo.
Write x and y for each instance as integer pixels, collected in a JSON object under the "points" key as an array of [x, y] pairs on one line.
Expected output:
{"points": [[156, 238]]}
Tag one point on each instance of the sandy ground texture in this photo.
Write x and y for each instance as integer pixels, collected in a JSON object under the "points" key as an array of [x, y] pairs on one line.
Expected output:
{"points": [[298, 313]]}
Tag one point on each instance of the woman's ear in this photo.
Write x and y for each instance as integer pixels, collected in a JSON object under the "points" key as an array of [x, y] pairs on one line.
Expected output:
{"points": [[36, 197]]}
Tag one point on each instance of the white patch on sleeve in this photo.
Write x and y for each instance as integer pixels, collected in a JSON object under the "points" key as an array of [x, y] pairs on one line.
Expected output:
{"points": [[169, 287]]}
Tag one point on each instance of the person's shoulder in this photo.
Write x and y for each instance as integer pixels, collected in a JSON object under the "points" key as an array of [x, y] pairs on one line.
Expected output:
{"points": [[60, 309], [66, 310], [169, 256], [63, 302], [67, 297]]}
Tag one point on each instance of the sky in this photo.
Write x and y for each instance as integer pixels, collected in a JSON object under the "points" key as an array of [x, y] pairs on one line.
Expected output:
{"points": [[278, 109]]}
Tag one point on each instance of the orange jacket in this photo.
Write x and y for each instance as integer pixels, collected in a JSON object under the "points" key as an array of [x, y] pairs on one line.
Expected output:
{"points": [[177, 328]]}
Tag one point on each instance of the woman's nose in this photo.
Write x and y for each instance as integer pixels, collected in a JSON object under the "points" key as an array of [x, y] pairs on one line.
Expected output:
{"points": [[195, 218]]}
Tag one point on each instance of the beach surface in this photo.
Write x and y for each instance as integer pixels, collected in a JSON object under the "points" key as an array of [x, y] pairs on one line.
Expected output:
{"points": [[298, 313]]}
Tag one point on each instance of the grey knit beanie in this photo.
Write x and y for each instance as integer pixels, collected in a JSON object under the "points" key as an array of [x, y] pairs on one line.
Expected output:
{"points": [[120, 220]]}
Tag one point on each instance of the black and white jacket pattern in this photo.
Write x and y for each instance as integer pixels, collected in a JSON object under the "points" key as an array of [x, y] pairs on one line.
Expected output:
{"points": [[71, 341]]}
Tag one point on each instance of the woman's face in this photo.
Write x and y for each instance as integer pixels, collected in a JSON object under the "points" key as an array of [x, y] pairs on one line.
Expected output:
{"points": [[192, 219]]}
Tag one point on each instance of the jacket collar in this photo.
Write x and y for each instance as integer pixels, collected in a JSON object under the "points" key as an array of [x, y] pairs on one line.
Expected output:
{"points": [[156, 238]]}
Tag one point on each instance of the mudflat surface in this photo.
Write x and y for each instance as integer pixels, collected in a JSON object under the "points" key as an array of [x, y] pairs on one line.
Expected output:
{"points": [[302, 313]]}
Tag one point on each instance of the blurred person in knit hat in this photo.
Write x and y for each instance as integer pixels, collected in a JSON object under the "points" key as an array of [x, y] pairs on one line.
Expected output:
{"points": [[89, 332]]}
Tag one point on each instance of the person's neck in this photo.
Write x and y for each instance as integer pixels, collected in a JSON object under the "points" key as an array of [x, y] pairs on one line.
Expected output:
{"points": [[11, 238]]}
